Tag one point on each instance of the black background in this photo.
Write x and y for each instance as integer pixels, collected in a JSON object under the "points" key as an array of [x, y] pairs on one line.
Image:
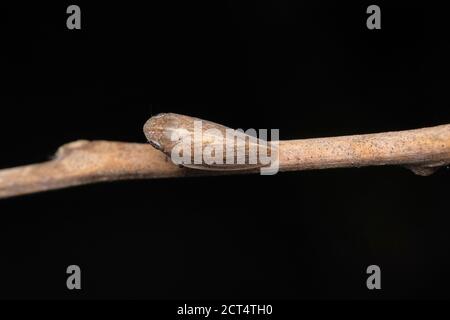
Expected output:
{"points": [[311, 69]]}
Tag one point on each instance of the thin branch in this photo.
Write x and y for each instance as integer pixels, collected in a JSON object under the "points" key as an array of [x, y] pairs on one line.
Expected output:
{"points": [[84, 162]]}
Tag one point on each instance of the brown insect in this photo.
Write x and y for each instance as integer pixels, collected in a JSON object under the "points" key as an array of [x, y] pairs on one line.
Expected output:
{"points": [[170, 132]]}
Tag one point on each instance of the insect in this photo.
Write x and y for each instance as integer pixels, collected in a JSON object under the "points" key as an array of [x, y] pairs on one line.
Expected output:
{"points": [[206, 145]]}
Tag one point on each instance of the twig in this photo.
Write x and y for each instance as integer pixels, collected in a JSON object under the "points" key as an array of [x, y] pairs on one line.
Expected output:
{"points": [[84, 162]]}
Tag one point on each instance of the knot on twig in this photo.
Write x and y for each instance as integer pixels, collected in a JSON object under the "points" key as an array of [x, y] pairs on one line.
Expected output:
{"points": [[425, 170], [68, 148]]}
